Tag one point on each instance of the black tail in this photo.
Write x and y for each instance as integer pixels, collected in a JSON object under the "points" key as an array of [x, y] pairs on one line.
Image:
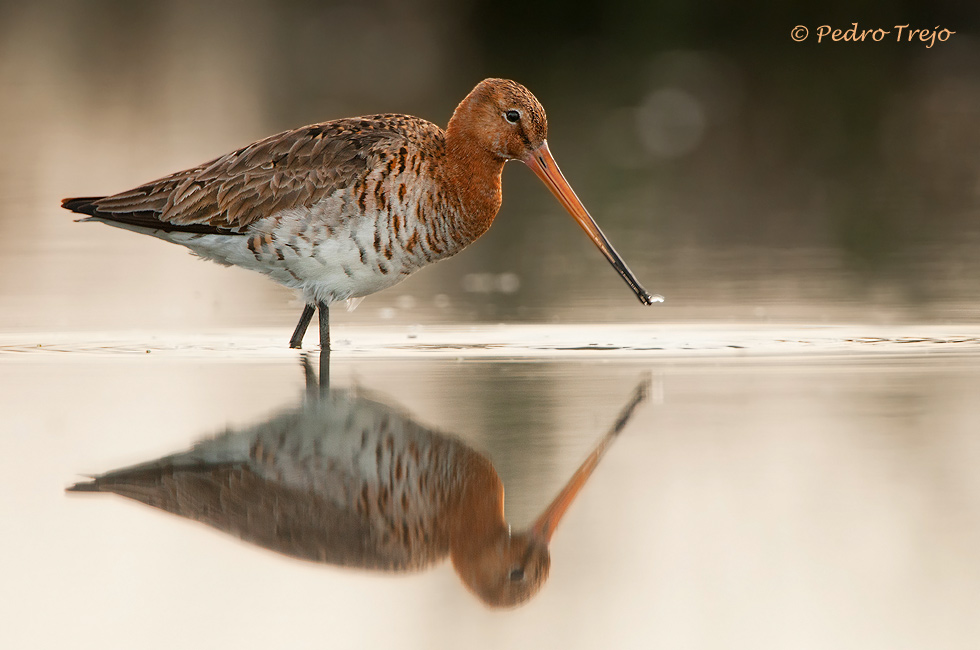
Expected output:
{"points": [[82, 205], [141, 218], [89, 486]]}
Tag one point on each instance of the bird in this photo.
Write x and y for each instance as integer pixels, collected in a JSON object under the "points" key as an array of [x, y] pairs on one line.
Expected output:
{"points": [[348, 479], [342, 209]]}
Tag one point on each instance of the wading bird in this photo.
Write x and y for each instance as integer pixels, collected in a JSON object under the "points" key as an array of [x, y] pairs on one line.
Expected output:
{"points": [[342, 209], [352, 481]]}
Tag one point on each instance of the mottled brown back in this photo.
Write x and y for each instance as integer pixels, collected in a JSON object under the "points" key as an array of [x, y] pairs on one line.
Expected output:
{"points": [[293, 169]]}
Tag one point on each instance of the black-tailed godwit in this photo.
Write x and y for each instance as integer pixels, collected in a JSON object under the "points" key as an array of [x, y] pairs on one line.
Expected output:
{"points": [[351, 481], [342, 209]]}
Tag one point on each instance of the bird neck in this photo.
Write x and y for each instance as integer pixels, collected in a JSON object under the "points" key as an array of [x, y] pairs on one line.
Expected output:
{"points": [[474, 173], [479, 518]]}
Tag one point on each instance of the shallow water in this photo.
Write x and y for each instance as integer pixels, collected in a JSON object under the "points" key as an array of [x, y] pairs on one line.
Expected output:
{"points": [[759, 499], [523, 342]]}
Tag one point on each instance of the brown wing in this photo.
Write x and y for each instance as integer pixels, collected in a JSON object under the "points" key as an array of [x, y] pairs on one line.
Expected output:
{"points": [[288, 170], [233, 499]]}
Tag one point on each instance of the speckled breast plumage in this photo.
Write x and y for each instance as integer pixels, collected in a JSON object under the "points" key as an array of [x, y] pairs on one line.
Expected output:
{"points": [[388, 219]]}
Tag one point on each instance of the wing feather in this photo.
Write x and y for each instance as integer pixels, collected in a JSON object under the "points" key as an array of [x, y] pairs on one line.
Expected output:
{"points": [[288, 170]]}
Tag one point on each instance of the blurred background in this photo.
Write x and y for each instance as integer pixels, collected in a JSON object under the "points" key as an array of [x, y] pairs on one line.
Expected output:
{"points": [[741, 174]]}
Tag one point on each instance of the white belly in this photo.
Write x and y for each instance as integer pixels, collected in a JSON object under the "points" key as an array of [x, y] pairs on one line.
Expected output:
{"points": [[327, 262]]}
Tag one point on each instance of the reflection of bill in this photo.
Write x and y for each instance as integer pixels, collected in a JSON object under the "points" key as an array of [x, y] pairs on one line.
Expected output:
{"points": [[355, 482]]}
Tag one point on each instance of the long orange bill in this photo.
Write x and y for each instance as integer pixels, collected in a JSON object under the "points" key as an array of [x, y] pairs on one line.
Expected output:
{"points": [[544, 166], [544, 526]]}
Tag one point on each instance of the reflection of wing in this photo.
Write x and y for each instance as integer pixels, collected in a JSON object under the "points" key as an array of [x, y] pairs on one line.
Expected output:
{"points": [[345, 480], [235, 500]]}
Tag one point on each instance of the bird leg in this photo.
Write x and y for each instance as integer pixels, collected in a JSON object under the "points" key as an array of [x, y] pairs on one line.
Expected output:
{"points": [[324, 373], [324, 308], [316, 386], [309, 374], [296, 342]]}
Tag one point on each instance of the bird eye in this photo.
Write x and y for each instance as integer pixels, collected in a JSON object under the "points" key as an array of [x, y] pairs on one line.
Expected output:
{"points": [[517, 574], [513, 116]]}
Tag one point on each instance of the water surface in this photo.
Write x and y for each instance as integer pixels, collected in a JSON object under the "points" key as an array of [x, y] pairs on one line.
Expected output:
{"points": [[757, 500]]}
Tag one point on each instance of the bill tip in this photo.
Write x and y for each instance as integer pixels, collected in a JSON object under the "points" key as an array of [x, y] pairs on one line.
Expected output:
{"points": [[649, 299]]}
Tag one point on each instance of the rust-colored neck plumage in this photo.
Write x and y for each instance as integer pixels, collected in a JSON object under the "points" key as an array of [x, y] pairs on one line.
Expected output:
{"points": [[501, 568], [474, 173], [480, 542], [471, 165], [479, 508]]}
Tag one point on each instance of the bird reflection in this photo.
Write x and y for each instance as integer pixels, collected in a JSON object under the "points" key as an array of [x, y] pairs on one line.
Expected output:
{"points": [[349, 480]]}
